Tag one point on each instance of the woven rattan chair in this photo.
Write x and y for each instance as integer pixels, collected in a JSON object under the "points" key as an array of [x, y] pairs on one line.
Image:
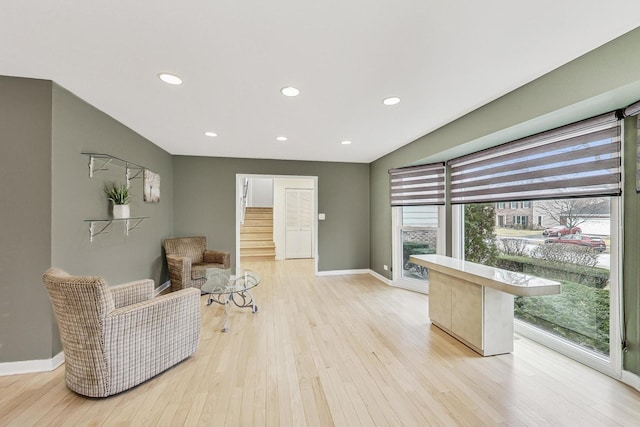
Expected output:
{"points": [[188, 258], [115, 338]]}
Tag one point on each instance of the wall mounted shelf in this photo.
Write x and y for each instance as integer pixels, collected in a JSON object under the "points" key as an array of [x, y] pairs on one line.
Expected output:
{"points": [[130, 224], [99, 162]]}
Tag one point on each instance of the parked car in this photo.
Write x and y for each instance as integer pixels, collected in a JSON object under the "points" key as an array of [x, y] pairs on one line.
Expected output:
{"points": [[560, 230], [596, 243]]}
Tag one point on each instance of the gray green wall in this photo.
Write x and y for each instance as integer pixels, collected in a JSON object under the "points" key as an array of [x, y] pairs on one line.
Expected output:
{"points": [[601, 81], [78, 128], [47, 194], [26, 328], [205, 202], [631, 264]]}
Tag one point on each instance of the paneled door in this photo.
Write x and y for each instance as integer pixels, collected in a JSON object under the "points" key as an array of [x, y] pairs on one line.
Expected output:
{"points": [[299, 223]]}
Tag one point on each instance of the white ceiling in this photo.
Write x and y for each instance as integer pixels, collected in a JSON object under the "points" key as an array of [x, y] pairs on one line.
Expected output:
{"points": [[443, 59]]}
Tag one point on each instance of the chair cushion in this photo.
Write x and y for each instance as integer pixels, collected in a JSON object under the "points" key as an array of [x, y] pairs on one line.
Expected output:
{"points": [[199, 271]]}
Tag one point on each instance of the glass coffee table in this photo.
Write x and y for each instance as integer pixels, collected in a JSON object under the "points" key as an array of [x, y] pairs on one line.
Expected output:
{"points": [[224, 288]]}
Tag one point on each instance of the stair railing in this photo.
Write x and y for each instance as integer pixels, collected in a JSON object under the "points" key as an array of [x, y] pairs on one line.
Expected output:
{"points": [[243, 200]]}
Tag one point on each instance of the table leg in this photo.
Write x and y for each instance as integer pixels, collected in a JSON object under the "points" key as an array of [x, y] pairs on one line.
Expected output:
{"points": [[227, 312], [245, 299]]}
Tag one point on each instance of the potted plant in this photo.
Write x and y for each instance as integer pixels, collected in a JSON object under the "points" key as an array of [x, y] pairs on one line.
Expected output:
{"points": [[119, 195]]}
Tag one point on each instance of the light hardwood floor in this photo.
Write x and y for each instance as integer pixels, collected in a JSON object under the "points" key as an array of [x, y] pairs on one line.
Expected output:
{"points": [[339, 350]]}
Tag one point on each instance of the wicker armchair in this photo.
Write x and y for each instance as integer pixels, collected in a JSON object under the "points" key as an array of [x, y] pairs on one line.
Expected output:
{"points": [[115, 338], [188, 259]]}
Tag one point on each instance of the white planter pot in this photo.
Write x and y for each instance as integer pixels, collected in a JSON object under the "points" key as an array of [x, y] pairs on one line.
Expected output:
{"points": [[120, 211]]}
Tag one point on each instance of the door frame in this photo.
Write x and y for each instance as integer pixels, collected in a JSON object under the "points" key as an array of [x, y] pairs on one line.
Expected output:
{"points": [[239, 179]]}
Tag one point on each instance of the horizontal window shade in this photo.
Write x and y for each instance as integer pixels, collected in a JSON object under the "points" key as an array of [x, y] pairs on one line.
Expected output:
{"points": [[632, 109], [578, 160], [417, 185]]}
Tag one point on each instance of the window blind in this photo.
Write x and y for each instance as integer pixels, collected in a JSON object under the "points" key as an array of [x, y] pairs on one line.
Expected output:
{"points": [[417, 185], [632, 109], [577, 160]]}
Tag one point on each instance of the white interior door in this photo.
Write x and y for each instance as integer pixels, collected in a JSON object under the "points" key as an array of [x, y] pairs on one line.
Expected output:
{"points": [[299, 223]]}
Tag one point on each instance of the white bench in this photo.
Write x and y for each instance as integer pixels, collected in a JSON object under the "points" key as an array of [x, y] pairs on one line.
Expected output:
{"points": [[474, 302]]}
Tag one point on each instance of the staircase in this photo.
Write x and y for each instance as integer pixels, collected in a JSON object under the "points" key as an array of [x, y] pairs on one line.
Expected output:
{"points": [[256, 235]]}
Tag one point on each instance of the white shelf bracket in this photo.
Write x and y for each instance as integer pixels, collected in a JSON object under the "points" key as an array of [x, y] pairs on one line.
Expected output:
{"points": [[135, 226], [103, 230], [101, 167]]}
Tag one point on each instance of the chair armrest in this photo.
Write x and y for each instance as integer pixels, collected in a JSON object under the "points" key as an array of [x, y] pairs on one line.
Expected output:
{"points": [[180, 262], [179, 270], [132, 292], [146, 338], [218, 257], [184, 299]]}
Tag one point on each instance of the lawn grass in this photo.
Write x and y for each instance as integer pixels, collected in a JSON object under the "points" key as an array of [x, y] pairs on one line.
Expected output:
{"points": [[516, 232]]}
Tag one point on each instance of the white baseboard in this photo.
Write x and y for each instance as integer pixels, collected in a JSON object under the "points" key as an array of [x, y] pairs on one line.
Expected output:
{"points": [[631, 379], [31, 366], [341, 272], [157, 291], [381, 278]]}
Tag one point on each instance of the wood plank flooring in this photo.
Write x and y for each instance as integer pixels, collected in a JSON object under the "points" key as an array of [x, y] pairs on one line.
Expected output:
{"points": [[338, 350]]}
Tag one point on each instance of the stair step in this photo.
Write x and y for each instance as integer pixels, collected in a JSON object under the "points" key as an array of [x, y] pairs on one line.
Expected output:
{"points": [[257, 251], [260, 229], [258, 210], [258, 223], [256, 244], [256, 236], [254, 258], [258, 215]]}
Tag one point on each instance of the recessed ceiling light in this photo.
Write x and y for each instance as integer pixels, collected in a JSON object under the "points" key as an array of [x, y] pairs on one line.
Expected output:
{"points": [[290, 91], [171, 79], [281, 138], [211, 134], [392, 100], [345, 142]]}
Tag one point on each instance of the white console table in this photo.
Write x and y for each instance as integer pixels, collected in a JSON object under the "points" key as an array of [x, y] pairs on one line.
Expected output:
{"points": [[474, 302]]}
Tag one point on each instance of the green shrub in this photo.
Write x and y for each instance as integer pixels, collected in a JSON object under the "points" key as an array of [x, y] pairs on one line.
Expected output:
{"points": [[414, 248], [588, 276], [579, 314], [567, 254], [512, 246]]}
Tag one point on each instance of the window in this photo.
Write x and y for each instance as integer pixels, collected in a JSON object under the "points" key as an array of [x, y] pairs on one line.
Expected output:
{"points": [[514, 205], [418, 232], [526, 204], [500, 205], [572, 177], [416, 195], [500, 220], [539, 221], [581, 316]]}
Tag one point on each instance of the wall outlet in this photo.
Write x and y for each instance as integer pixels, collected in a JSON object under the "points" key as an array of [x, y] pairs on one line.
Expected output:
{"points": [[386, 267]]}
